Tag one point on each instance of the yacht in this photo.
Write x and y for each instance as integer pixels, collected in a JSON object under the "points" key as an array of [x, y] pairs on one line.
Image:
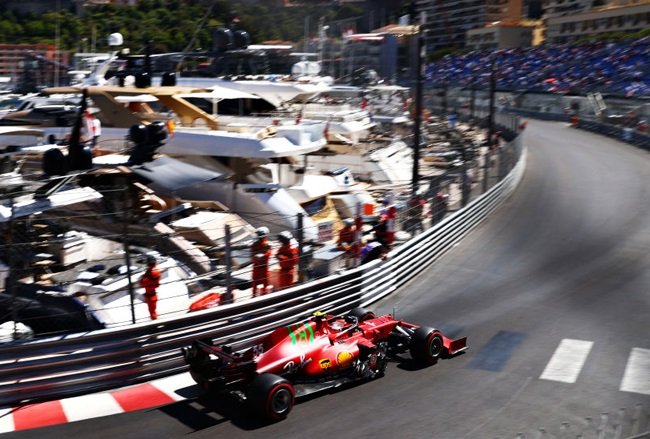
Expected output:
{"points": [[257, 166]]}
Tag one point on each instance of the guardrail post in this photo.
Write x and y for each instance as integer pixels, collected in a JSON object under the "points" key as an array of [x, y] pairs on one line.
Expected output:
{"points": [[127, 253], [302, 269], [10, 286], [227, 296]]}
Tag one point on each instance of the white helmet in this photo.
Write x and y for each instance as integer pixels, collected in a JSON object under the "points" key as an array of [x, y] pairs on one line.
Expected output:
{"points": [[348, 222], [262, 232], [285, 236]]}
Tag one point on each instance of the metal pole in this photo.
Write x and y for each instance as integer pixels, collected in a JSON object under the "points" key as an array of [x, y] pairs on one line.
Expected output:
{"points": [[492, 93], [418, 112], [306, 36], [302, 269], [127, 253], [472, 97], [10, 286], [228, 294], [490, 124]]}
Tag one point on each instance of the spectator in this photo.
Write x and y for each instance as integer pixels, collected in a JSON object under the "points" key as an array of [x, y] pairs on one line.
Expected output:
{"points": [[371, 251], [347, 241], [97, 131], [619, 67], [381, 232], [415, 214]]}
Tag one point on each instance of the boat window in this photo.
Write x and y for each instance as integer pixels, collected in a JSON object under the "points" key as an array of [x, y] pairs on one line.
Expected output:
{"points": [[314, 206]]}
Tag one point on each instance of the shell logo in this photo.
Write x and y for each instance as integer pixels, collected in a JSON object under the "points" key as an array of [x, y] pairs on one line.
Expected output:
{"points": [[344, 359]]}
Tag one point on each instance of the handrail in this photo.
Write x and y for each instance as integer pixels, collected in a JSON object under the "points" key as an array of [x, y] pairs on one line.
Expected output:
{"points": [[75, 364]]}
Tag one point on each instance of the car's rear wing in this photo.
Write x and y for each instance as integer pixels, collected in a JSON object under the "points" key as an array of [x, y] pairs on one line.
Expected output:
{"points": [[216, 350]]}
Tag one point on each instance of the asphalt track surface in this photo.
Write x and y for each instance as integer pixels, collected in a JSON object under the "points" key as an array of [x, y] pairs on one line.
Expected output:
{"points": [[553, 292]]}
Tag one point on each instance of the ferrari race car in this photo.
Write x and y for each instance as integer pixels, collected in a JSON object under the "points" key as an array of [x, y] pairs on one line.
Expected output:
{"points": [[323, 352]]}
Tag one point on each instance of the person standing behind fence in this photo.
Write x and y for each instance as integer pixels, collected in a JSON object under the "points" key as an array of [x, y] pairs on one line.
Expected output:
{"points": [[415, 214], [381, 231], [287, 256], [260, 254], [150, 281], [347, 241], [97, 131]]}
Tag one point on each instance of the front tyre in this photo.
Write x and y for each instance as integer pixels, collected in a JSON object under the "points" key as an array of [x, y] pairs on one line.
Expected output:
{"points": [[270, 396], [426, 345]]}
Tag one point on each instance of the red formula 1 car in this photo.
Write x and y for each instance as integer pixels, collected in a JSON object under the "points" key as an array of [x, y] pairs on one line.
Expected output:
{"points": [[321, 353]]}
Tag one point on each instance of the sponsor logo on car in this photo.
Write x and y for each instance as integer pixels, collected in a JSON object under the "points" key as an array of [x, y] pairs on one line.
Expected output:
{"points": [[344, 359]]}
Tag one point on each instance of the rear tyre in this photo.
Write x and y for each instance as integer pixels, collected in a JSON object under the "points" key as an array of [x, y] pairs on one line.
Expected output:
{"points": [[361, 313], [426, 345], [271, 397]]}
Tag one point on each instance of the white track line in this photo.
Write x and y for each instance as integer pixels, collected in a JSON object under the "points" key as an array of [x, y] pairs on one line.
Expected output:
{"points": [[567, 361], [636, 377]]}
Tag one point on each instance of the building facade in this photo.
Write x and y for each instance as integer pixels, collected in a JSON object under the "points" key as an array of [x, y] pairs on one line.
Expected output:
{"points": [[616, 16], [33, 65], [447, 21], [499, 35]]}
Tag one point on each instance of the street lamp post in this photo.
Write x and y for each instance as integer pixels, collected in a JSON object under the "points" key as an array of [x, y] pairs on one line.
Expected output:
{"points": [[418, 108], [490, 123]]}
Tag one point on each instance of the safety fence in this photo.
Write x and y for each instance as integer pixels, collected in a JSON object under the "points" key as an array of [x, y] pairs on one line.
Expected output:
{"points": [[624, 119], [78, 268], [80, 363]]}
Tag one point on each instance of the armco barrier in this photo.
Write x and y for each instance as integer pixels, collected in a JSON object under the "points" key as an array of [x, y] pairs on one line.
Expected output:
{"points": [[82, 363]]}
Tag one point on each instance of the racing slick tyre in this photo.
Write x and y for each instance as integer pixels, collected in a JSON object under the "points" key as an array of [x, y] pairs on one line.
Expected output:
{"points": [[426, 345], [271, 396], [361, 313]]}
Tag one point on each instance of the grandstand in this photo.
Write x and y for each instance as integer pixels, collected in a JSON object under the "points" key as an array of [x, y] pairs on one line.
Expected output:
{"points": [[618, 68]]}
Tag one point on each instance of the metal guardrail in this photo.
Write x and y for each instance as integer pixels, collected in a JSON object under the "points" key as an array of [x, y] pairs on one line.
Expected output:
{"points": [[87, 362]]}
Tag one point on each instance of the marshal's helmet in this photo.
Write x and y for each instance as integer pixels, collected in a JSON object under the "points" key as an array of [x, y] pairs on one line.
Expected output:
{"points": [[285, 236], [262, 232]]}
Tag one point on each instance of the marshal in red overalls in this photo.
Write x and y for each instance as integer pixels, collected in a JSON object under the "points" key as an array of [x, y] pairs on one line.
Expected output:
{"points": [[287, 256], [150, 281]]}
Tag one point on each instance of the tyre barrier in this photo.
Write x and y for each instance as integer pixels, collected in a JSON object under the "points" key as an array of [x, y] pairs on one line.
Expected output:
{"points": [[70, 365]]}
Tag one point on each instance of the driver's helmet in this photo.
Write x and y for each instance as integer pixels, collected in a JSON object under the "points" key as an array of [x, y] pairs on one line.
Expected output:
{"points": [[348, 222]]}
